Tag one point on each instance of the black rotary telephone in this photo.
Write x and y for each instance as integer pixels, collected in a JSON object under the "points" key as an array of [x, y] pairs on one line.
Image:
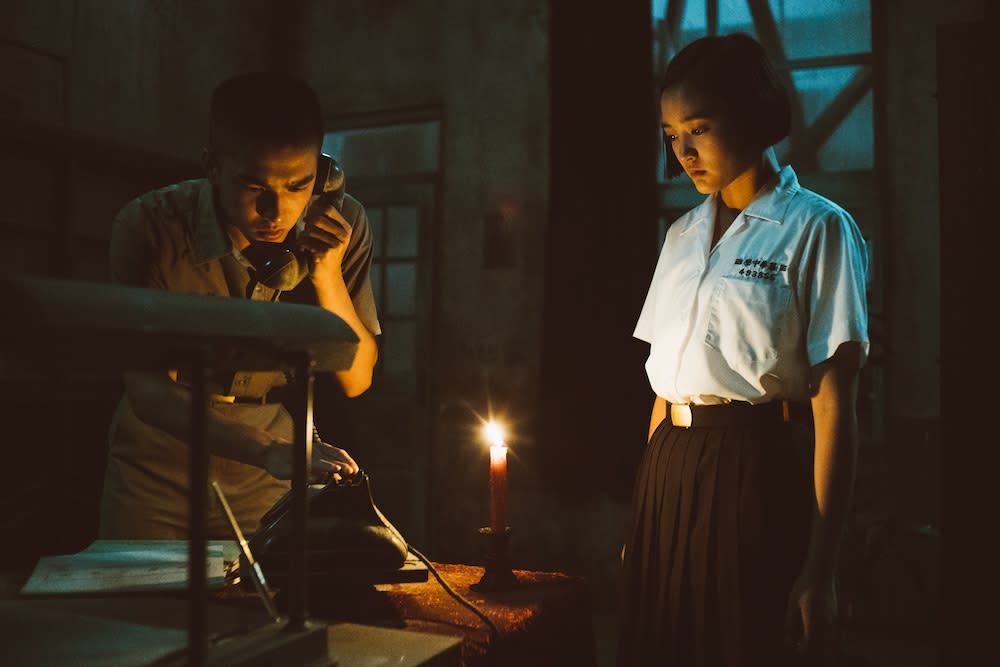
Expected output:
{"points": [[281, 266], [347, 535]]}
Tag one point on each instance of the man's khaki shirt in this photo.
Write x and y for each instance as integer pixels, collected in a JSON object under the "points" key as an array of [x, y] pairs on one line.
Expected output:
{"points": [[171, 239]]}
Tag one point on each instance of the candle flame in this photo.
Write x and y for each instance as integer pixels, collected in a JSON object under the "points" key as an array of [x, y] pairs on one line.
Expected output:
{"points": [[494, 434]]}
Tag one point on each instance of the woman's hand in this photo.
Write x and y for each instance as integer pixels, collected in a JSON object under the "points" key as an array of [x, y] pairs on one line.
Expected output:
{"points": [[811, 621], [327, 460]]}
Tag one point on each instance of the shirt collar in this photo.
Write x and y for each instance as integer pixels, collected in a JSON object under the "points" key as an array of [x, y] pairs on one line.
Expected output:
{"points": [[210, 240], [771, 204], [703, 212]]}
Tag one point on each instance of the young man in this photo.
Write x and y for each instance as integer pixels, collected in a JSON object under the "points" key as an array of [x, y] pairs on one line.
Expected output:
{"points": [[265, 137]]}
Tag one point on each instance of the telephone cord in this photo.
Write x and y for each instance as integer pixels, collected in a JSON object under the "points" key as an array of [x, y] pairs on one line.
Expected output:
{"points": [[494, 632]]}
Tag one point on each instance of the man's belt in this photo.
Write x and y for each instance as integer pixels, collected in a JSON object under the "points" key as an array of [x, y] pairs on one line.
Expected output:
{"points": [[244, 400]]}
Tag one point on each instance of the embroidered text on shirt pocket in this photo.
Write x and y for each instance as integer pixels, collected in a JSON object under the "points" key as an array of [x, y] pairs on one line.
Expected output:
{"points": [[746, 319]]}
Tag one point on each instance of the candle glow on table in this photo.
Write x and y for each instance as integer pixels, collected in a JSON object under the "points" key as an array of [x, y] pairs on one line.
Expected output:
{"points": [[498, 478]]}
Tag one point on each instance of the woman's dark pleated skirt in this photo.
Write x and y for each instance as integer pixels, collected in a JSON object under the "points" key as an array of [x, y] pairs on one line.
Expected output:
{"points": [[720, 524]]}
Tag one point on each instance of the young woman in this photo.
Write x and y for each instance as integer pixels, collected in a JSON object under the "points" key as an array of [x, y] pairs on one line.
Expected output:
{"points": [[757, 322]]}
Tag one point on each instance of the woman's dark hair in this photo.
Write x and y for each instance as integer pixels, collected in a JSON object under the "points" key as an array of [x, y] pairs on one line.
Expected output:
{"points": [[269, 107], [738, 79]]}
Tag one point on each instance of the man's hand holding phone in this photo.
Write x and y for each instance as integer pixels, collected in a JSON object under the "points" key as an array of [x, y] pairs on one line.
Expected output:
{"points": [[326, 236]]}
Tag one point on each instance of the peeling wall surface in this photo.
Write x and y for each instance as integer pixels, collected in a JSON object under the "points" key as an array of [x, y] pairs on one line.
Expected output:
{"points": [[99, 102], [140, 73], [481, 70], [134, 79], [104, 101]]}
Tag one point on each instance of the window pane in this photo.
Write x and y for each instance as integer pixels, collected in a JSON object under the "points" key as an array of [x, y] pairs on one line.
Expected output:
{"points": [[808, 28], [375, 218], [851, 145], [402, 230], [399, 347], [734, 15], [401, 289], [811, 29], [388, 150]]}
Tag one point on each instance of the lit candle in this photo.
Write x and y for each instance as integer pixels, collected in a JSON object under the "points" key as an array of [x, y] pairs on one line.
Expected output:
{"points": [[498, 478]]}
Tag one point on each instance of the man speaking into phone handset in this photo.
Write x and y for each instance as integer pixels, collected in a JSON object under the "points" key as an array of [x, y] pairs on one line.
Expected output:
{"points": [[261, 160]]}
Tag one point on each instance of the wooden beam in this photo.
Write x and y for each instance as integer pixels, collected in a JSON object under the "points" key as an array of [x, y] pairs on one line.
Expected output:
{"points": [[712, 16], [842, 60], [675, 12]]}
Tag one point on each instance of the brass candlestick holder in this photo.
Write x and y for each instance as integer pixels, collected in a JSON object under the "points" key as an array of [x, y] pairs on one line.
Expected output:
{"points": [[497, 575]]}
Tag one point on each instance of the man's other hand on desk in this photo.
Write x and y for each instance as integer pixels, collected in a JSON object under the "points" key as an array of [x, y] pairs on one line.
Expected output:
{"points": [[326, 460]]}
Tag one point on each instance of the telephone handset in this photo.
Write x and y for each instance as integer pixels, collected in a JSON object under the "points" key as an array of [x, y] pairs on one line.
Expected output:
{"points": [[281, 266]]}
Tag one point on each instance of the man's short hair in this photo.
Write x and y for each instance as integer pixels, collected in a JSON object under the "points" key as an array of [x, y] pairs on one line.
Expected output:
{"points": [[740, 82], [273, 108]]}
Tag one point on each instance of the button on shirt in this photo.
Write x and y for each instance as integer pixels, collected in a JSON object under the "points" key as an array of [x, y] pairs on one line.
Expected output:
{"points": [[781, 290]]}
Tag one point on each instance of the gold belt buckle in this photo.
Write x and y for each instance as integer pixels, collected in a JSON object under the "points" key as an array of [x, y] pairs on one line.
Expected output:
{"points": [[680, 415]]}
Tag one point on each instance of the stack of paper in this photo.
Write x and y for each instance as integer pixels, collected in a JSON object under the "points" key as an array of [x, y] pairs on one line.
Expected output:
{"points": [[112, 566]]}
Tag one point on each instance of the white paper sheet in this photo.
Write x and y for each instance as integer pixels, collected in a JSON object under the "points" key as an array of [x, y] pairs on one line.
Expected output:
{"points": [[119, 566]]}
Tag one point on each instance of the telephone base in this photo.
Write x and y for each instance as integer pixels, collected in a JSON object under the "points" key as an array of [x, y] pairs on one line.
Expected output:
{"points": [[412, 571]]}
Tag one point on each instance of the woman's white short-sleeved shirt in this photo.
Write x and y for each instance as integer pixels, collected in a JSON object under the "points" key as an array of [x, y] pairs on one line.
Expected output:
{"points": [[782, 289]]}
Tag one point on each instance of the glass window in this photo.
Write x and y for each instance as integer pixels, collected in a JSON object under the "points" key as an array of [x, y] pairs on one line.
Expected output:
{"points": [[387, 160], [386, 151], [817, 28], [401, 295], [825, 43], [851, 144], [809, 28], [402, 231], [400, 347]]}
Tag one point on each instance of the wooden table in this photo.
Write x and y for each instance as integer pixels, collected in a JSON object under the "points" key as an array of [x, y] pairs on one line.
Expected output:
{"points": [[545, 620]]}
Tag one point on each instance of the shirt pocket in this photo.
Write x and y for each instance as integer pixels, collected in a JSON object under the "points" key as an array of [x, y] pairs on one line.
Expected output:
{"points": [[746, 320]]}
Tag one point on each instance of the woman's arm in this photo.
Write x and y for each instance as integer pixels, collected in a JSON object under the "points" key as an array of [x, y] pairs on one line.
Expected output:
{"points": [[812, 609], [836, 450]]}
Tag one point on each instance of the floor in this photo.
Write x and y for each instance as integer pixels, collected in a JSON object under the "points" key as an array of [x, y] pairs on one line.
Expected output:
{"points": [[860, 648]]}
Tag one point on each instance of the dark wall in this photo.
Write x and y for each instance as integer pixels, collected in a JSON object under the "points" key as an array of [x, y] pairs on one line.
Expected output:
{"points": [[967, 94], [600, 246], [99, 102]]}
